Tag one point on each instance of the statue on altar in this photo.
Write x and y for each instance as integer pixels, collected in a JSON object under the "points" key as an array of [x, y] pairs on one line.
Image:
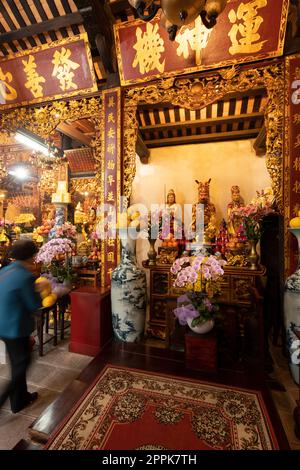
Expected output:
{"points": [[79, 215], [209, 214], [234, 221], [171, 229], [222, 238]]}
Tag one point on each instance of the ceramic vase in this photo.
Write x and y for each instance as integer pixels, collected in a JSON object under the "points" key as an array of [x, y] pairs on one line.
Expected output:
{"points": [[292, 314], [202, 328], [253, 256], [128, 296]]}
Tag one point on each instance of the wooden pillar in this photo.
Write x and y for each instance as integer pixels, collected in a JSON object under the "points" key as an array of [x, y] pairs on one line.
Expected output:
{"points": [[291, 172], [111, 175]]}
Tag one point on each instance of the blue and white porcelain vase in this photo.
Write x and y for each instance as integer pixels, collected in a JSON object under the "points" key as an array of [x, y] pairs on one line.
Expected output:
{"points": [[292, 314], [128, 296], [60, 218]]}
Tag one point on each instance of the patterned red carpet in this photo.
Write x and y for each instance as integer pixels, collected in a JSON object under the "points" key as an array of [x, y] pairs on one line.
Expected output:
{"points": [[130, 409]]}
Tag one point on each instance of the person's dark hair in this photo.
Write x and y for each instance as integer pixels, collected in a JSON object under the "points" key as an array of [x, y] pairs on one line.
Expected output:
{"points": [[23, 250]]}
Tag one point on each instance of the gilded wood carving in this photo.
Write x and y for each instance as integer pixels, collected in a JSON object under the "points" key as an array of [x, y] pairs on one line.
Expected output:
{"points": [[197, 93], [43, 121]]}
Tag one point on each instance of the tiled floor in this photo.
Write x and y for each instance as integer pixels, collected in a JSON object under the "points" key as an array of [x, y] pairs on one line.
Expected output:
{"points": [[50, 375], [285, 402]]}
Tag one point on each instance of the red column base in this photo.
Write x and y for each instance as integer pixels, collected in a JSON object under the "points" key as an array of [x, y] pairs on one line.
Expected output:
{"points": [[91, 323]]}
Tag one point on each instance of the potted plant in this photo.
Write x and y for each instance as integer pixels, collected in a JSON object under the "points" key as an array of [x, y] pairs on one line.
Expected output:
{"points": [[199, 276]]}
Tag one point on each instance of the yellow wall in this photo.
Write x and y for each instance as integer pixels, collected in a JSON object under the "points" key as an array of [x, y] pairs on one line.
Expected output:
{"points": [[226, 163]]}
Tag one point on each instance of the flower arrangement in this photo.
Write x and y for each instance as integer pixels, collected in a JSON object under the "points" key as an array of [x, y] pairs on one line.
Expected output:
{"points": [[56, 257], [24, 219], [6, 227], [25, 222], [55, 249], [252, 215], [66, 230], [200, 276]]}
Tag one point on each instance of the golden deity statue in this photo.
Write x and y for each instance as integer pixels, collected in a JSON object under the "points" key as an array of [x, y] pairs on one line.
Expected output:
{"points": [[79, 215], [234, 220], [209, 209]]}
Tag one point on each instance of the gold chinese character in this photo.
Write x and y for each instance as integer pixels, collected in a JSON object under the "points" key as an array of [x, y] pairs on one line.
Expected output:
{"points": [[296, 164], [297, 73], [111, 133], [62, 68], [149, 47], [296, 118], [110, 180], [111, 148], [109, 272], [296, 187], [111, 102], [111, 165], [7, 92], [244, 35], [34, 80], [297, 143], [111, 256], [111, 225], [111, 118], [195, 38], [110, 197], [110, 242]]}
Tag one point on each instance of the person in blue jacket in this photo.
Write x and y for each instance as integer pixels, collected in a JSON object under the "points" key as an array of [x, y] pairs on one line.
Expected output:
{"points": [[18, 302]]}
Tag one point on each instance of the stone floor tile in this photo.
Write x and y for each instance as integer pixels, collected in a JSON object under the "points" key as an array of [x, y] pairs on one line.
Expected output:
{"points": [[13, 427]]}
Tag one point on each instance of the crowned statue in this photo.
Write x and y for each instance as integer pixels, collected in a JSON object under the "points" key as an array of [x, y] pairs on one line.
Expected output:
{"points": [[207, 208], [234, 221]]}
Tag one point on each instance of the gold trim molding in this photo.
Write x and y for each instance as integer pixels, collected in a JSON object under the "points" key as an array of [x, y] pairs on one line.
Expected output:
{"points": [[197, 93], [43, 121], [80, 185]]}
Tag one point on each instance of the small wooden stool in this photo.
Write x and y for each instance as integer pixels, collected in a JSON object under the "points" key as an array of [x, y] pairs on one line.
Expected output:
{"points": [[63, 304], [201, 351], [43, 319]]}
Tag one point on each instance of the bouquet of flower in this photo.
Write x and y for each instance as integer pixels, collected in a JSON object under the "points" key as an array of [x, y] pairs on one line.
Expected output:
{"points": [[66, 230], [252, 216], [56, 248], [56, 257], [200, 276], [25, 222]]}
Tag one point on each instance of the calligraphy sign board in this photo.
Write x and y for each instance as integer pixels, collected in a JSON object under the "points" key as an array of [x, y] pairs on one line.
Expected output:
{"points": [[244, 33], [48, 72], [111, 171], [292, 151]]}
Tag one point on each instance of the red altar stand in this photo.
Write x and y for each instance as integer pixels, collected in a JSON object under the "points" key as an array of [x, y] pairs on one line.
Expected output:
{"points": [[91, 323], [201, 351]]}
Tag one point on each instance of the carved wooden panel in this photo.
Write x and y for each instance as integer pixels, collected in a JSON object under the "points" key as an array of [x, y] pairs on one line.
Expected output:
{"points": [[160, 283], [159, 311], [240, 289]]}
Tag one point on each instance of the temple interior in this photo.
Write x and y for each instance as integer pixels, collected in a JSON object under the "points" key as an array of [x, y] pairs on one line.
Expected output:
{"points": [[149, 161]]}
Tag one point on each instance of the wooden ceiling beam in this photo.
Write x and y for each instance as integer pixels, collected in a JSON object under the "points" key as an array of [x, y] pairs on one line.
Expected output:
{"points": [[74, 134], [260, 144], [202, 122], [142, 150], [203, 138], [99, 25], [50, 25], [121, 7]]}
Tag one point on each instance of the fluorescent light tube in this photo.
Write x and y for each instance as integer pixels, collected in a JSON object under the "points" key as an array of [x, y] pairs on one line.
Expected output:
{"points": [[30, 142]]}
